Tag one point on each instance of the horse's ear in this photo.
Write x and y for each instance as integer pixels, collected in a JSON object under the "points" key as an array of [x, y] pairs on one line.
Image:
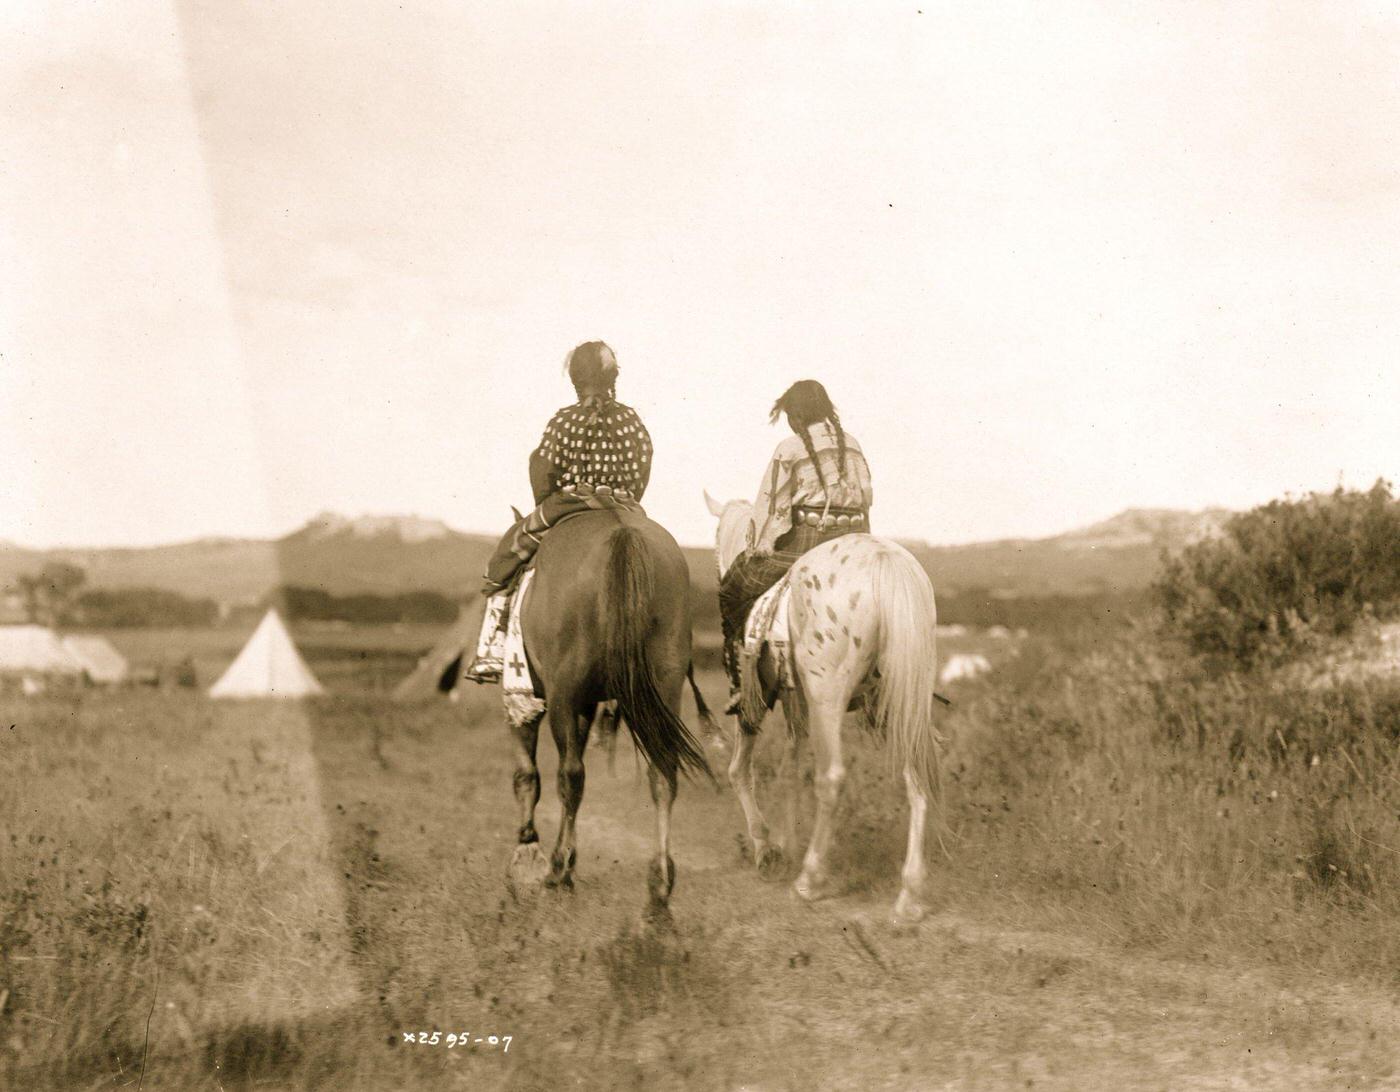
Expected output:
{"points": [[716, 509]]}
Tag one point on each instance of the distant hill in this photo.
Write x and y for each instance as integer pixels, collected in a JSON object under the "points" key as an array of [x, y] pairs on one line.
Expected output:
{"points": [[380, 555], [1119, 555], [391, 554]]}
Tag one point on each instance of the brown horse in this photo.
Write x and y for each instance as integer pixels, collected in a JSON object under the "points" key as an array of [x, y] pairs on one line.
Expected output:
{"points": [[608, 618]]}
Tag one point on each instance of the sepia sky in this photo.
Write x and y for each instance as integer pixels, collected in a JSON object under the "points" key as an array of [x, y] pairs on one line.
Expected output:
{"points": [[1051, 261]]}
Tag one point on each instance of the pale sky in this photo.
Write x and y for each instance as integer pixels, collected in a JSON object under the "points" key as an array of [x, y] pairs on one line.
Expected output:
{"points": [[1051, 260]]}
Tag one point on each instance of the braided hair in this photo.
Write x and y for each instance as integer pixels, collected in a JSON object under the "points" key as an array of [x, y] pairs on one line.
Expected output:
{"points": [[590, 366], [806, 403]]}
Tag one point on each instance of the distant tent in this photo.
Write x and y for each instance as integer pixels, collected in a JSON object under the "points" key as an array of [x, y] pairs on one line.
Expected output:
{"points": [[964, 665], [35, 655], [438, 671], [268, 667], [101, 662]]}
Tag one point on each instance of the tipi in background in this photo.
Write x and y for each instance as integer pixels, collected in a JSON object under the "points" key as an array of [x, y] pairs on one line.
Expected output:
{"points": [[268, 667], [439, 671]]}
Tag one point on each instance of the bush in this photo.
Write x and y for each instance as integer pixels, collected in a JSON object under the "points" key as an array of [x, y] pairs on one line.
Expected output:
{"points": [[1172, 806], [1285, 574]]}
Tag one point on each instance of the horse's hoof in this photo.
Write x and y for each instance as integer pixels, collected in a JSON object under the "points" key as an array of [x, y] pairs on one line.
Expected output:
{"points": [[560, 881], [661, 881], [907, 910], [528, 866], [771, 862], [813, 890], [657, 917]]}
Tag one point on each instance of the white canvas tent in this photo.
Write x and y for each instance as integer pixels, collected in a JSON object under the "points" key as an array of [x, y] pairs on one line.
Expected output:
{"points": [[268, 667], [35, 654], [101, 662]]}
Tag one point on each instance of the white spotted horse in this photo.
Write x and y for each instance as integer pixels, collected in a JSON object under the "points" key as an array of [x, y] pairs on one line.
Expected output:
{"points": [[861, 621], [607, 619]]}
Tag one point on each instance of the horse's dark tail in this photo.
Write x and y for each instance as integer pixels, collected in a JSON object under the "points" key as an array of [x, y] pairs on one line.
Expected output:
{"points": [[628, 588]]}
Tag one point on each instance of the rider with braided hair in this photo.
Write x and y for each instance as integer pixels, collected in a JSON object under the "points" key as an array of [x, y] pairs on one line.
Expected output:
{"points": [[816, 487], [595, 454]]}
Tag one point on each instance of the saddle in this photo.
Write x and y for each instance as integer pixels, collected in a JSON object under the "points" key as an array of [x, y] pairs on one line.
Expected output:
{"points": [[517, 549], [766, 627]]}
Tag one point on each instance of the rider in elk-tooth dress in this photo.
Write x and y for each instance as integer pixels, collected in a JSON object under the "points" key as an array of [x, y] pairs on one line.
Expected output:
{"points": [[595, 454], [816, 488]]}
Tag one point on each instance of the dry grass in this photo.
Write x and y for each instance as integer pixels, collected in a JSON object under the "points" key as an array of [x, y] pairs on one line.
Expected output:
{"points": [[157, 848], [295, 888], [1127, 794]]}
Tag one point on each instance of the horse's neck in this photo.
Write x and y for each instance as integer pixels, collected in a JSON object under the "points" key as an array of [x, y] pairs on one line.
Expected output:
{"points": [[733, 536]]}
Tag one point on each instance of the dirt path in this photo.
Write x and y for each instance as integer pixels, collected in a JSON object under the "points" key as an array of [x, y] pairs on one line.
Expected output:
{"points": [[754, 989]]}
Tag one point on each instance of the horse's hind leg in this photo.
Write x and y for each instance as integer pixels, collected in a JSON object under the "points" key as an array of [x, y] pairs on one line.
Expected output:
{"points": [[527, 863], [789, 780], [766, 855], [824, 725], [527, 777], [570, 732], [661, 875], [909, 905]]}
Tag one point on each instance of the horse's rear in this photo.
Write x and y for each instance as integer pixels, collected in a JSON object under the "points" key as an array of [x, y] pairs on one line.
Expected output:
{"points": [[862, 623], [609, 618]]}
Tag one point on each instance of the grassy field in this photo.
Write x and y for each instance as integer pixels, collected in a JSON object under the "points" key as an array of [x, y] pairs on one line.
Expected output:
{"points": [[373, 659], [1145, 879]]}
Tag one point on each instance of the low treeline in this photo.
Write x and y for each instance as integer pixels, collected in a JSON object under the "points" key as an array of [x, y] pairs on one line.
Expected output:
{"points": [[121, 608], [158, 608], [136, 608], [58, 594], [315, 605]]}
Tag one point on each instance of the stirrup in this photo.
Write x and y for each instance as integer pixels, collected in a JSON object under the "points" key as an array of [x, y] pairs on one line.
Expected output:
{"points": [[484, 670], [735, 703]]}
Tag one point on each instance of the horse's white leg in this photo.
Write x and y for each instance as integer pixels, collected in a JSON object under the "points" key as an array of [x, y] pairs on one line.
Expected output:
{"points": [[909, 906], [824, 725], [741, 777], [790, 781]]}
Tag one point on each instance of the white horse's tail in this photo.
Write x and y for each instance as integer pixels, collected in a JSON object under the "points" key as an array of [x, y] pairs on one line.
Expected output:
{"points": [[908, 665]]}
